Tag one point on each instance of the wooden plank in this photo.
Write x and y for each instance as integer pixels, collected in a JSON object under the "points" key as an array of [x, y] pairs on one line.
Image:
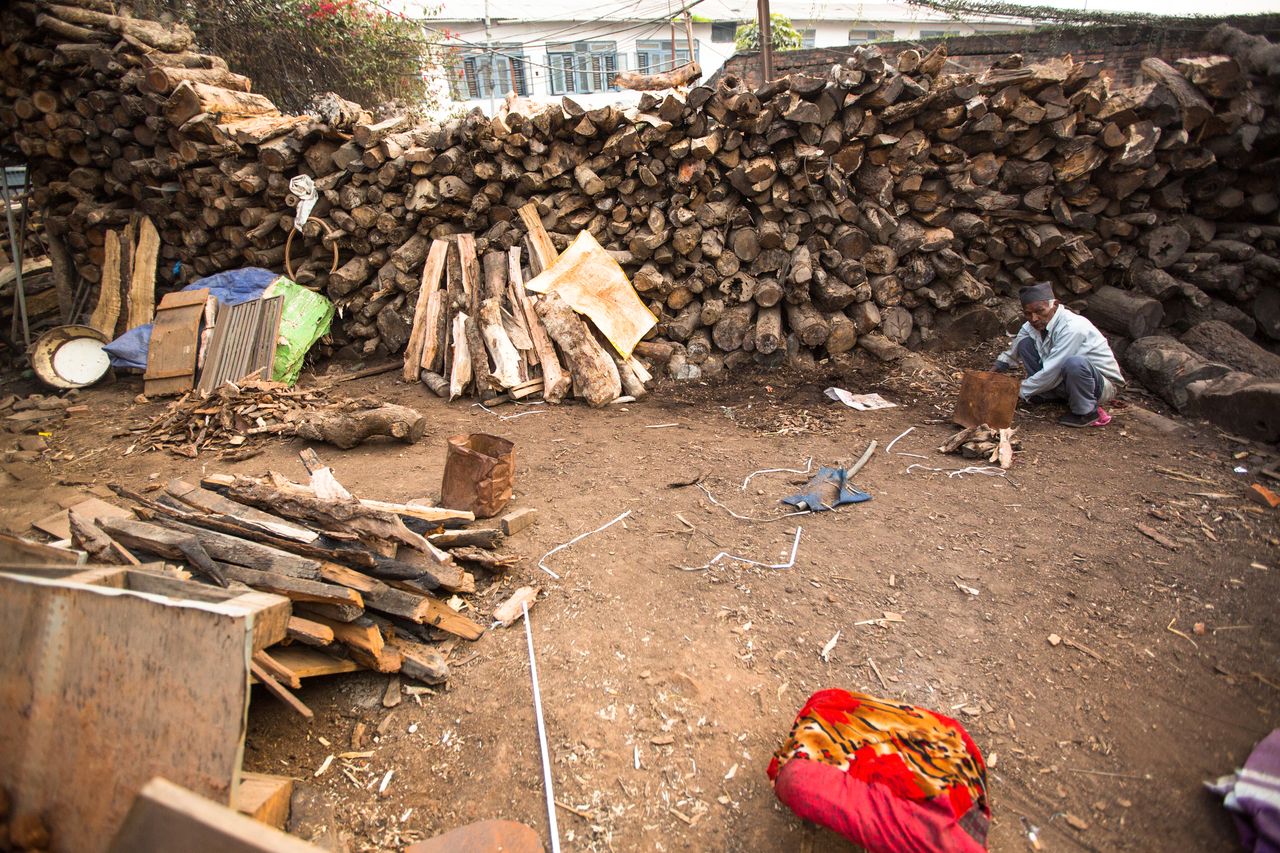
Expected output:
{"points": [[175, 343], [58, 525], [278, 690], [276, 670], [365, 643], [168, 817], [436, 613], [309, 663], [423, 512], [243, 552], [142, 280], [16, 550], [302, 630], [210, 501], [295, 589], [270, 613], [432, 271], [78, 749], [106, 313], [264, 798]]}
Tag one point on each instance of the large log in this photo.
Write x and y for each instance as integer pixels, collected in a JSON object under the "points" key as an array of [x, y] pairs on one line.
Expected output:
{"points": [[346, 429], [1217, 341], [1168, 367], [681, 75], [1124, 312], [594, 372]]}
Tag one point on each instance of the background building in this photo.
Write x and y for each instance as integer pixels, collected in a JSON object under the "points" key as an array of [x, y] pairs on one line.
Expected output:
{"points": [[574, 47]]}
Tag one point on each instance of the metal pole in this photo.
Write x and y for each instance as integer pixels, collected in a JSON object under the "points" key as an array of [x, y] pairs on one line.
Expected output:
{"points": [[766, 40], [764, 32], [15, 250], [488, 45], [674, 62]]}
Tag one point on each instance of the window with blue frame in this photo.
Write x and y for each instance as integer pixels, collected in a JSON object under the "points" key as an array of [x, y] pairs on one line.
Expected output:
{"points": [[495, 74], [654, 55], [582, 67]]}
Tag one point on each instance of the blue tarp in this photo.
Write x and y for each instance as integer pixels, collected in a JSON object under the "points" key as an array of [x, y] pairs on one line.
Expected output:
{"points": [[229, 288]]}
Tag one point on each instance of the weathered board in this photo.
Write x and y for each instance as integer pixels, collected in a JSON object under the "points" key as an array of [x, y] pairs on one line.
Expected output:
{"points": [[102, 689], [168, 817], [175, 343], [58, 525]]}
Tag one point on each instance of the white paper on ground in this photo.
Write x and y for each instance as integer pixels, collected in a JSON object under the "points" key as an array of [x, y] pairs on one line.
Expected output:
{"points": [[861, 402]]}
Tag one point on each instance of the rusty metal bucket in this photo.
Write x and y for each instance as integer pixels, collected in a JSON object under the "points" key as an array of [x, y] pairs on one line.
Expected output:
{"points": [[479, 473], [986, 398]]}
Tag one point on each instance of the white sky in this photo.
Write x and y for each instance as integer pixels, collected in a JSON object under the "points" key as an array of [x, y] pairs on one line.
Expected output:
{"points": [[853, 9], [1169, 7]]}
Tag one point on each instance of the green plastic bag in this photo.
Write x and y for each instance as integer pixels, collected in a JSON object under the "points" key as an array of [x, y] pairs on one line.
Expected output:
{"points": [[304, 319]]}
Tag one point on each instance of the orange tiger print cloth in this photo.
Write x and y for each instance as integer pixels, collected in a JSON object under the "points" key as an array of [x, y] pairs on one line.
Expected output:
{"points": [[886, 775]]}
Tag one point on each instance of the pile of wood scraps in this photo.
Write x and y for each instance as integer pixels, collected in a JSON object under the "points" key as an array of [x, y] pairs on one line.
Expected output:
{"points": [[982, 442], [231, 416], [482, 332], [374, 585]]}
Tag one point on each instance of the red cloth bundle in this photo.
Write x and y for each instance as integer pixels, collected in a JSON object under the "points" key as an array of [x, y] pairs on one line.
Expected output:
{"points": [[887, 776]]}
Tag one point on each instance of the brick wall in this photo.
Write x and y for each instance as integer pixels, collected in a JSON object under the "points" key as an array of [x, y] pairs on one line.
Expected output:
{"points": [[1120, 49]]}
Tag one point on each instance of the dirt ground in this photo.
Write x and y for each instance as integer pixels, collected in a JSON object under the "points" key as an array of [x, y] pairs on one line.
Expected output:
{"points": [[665, 690]]}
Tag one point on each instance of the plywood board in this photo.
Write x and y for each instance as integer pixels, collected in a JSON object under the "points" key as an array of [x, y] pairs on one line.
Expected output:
{"points": [[175, 343], [104, 689]]}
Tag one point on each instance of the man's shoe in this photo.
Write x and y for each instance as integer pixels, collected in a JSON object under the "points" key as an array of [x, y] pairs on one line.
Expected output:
{"points": [[1097, 418]]}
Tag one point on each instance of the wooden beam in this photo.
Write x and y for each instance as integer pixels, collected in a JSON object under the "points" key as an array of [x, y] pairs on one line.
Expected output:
{"points": [[309, 632], [264, 798]]}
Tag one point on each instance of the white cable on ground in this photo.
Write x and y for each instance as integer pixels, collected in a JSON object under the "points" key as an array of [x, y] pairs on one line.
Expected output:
{"points": [[896, 440], [808, 468], [712, 498], [577, 539], [542, 735], [985, 470], [723, 555]]}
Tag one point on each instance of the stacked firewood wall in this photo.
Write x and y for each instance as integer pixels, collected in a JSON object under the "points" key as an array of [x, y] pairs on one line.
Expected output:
{"points": [[877, 202]]}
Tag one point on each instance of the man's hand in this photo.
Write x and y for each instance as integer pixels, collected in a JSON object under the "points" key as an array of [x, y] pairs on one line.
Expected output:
{"points": [[1000, 367]]}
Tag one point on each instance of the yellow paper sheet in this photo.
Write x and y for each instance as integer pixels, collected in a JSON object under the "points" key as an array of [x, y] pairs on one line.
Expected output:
{"points": [[590, 280]]}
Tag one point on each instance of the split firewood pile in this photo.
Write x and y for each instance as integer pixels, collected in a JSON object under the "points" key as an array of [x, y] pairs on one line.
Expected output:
{"points": [[512, 343], [229, 418], [374, 585], [884, 201], [996, 446]]}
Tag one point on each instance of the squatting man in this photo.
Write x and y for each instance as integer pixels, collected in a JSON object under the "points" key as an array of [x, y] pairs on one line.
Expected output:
{"points": [[1065, 357]]}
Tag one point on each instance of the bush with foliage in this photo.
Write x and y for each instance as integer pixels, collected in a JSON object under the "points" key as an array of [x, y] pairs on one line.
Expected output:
{"points": [[784, 35], [296, 49]]}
